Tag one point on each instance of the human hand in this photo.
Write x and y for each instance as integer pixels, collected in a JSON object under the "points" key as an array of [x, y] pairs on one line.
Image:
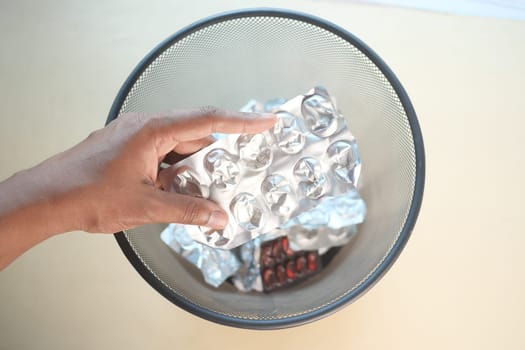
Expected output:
{"points": [[110, 181], [112, 176]]}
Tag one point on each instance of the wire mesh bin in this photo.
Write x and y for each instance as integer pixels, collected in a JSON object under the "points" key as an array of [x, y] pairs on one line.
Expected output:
{"points": [[231, 58]]}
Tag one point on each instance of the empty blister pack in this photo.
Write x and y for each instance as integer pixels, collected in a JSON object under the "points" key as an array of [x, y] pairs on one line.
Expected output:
{"points": [[216, 265], [266, 180]]}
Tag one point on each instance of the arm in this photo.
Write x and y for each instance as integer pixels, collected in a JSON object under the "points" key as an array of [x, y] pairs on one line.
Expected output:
{"points": [[109, 182]]}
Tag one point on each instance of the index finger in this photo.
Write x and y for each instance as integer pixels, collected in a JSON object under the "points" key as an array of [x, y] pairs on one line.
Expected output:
{"points": [[187, 125]]}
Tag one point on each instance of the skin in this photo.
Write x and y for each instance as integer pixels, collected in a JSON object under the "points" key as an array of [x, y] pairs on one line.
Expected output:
{"points": [[111, 181]]}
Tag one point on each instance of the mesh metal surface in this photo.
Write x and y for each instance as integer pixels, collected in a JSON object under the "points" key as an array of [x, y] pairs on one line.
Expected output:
{"points": [[227, 60]]}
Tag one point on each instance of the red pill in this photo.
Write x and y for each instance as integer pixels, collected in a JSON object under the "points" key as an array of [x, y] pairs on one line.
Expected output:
{"points": [[285, 244], [282, 266], [267, 261], [290, 270], [300, 264], [277, 251], [268, 278], [311, 256], [281, 273], [312, 261]]}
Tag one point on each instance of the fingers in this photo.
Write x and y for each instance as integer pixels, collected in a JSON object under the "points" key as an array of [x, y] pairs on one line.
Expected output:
{"points": [[182, 209], [172, 158], [192, 125], [183, 149], [210, 120], [166, 176], [193, 145]]}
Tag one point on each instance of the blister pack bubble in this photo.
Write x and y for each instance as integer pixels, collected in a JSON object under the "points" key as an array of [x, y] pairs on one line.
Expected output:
{"points": [[272, 180]]}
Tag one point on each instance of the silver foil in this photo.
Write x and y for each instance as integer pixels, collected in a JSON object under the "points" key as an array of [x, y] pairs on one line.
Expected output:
{"points": [[215, 264], [248, 277], [302, 173], [331, 223]]}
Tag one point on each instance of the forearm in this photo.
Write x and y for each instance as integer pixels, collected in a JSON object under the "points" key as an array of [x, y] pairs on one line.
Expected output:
{"points": [[29, 214]]}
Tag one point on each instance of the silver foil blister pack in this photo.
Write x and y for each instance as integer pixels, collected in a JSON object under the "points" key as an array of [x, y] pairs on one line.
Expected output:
{"points": [[215, 264], [286, 181]]}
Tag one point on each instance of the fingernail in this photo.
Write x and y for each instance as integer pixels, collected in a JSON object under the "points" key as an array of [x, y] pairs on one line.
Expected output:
{"points": [[218, 219]]}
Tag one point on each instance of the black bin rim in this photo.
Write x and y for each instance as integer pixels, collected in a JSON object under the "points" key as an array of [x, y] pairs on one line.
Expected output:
{"points": [[415, 206]]}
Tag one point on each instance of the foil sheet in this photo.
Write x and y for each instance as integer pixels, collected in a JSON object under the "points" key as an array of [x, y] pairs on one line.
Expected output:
{"points": [[266, 180], [215, 264]]}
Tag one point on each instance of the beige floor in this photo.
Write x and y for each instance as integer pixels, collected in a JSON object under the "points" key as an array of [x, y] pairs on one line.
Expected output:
{"points": [[460, 283]]}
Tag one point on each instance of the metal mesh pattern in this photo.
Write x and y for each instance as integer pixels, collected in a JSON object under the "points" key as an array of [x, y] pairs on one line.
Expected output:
{"points": [[227, 60]]}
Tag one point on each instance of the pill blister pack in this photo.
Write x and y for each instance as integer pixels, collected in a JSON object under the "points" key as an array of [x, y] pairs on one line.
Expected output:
{"points": [[291, 194], [266, 179]]}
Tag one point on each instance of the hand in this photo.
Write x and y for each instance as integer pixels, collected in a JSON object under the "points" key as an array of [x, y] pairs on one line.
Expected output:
{"points": [[114, 172], [109, 182]]}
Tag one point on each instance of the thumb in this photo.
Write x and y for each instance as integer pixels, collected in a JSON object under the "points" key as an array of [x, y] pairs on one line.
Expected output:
{"points": [[183, 209]]}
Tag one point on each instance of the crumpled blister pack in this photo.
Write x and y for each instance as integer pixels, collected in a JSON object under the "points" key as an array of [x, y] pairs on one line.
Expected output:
{"points": [[297, 180], [216, 264], [266, 179]]}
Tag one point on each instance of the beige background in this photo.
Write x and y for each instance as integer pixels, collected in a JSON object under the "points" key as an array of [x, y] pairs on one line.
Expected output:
{"points": [[460, 282]]}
